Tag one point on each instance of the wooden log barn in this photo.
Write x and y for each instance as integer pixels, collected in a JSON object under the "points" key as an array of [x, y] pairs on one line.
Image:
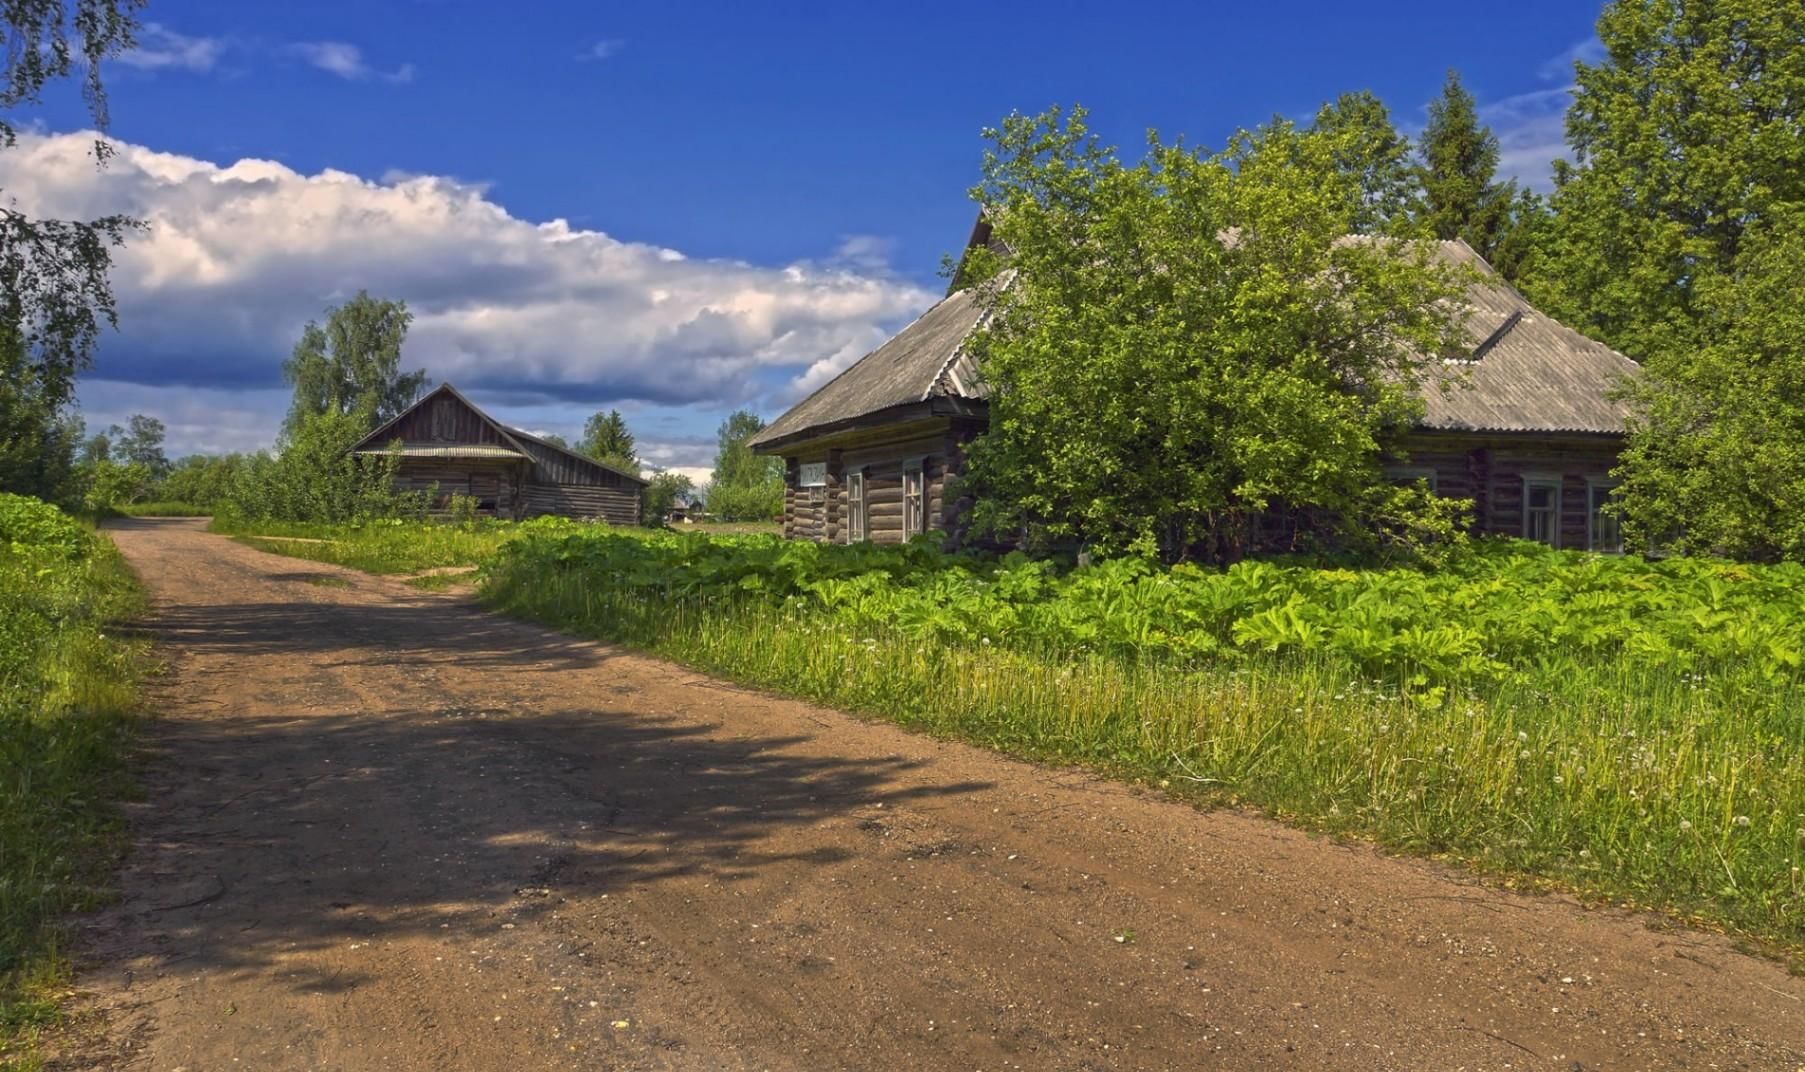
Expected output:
{"points": [[447, 444], [1526, 425]]}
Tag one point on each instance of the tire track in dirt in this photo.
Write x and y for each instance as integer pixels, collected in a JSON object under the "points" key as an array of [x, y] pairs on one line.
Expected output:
{"points": [[384, 829]]}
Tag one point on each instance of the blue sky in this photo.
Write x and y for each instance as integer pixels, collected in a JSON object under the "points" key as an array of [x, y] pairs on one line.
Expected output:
{"points": [[750, 195]]}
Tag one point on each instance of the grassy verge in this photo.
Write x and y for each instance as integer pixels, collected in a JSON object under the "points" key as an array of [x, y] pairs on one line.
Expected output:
{"points": [[67, 693], [387, 547]]}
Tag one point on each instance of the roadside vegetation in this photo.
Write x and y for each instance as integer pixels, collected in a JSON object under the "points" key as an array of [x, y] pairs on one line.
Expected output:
{"points": [[67, 693], [1631, 729]]}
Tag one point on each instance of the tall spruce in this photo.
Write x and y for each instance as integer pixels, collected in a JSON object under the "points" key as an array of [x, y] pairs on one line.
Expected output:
{"points": [[607, 440], [1458, 173], [1678, 236]]}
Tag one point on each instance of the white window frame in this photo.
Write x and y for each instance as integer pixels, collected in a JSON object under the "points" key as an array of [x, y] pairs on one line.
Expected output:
{"points": [[1598, 492], [856, 525], [914, 496], [1552, 482]]}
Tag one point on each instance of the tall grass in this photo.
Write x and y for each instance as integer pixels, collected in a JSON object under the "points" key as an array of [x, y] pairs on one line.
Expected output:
{"points": [[384, 546], [1665, 791], [67, 692]]}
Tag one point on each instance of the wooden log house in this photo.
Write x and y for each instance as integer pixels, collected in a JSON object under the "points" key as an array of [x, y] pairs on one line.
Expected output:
{"points": [[1526, 425], [448, 445]]}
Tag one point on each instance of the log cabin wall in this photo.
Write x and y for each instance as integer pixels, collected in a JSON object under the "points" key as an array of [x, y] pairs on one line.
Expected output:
{"points": [[822, 512], [617, 506], [1493, 471]]}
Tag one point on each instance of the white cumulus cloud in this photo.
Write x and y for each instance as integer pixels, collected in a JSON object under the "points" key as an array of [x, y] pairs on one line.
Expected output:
{"points": [[236, 257]]}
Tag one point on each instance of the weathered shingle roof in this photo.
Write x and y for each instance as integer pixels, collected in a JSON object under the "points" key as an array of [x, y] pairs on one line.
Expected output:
{"points": [[1526, 371], [907, 368]]}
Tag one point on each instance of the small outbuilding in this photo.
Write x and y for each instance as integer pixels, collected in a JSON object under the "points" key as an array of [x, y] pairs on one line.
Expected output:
{"points": [[449, 446]]}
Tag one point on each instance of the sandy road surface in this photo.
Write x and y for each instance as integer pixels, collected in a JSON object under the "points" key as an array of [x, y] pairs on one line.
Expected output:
{"points": [[385, 830]]}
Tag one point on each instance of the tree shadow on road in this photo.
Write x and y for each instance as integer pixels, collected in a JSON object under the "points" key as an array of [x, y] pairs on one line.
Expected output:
{"points": [[415, 629], [263, 836]]}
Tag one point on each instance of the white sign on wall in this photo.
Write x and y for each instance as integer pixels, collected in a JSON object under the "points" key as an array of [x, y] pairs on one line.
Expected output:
{"points": [[812, 475]]}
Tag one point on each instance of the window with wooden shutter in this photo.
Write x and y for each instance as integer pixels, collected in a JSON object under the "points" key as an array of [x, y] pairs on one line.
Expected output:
{"points": [[855, 506], [912, 502]]}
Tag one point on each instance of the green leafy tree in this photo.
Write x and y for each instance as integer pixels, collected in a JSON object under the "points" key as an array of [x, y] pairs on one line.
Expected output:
{"points": [[38, 436], [1685, 134], [140, 442], [352, 365], [1462, 197], [54, 294], [200, 480], [1190, 341], [1716, 463], [745, 486], [1373, 158], [95, 448], [313, 476], [1675, 238], [607, 440], [661, 496]]}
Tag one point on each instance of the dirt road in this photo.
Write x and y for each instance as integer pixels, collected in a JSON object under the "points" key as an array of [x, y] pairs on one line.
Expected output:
{"points": [[385, 830]]}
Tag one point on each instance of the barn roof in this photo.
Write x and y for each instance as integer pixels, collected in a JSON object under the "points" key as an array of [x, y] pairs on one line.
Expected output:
{"points": [[515, 443], [1526, 371]]}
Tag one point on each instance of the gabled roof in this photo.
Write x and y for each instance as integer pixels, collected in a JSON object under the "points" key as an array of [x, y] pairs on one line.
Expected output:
{"points": [[1526, 371], [514, 442], [914, 366]]}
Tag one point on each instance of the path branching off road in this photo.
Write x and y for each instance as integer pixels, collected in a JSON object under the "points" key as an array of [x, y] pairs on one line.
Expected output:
{"points": [[383, 829]]}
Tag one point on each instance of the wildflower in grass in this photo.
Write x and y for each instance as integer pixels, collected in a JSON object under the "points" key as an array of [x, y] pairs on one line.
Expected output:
{"points": [[1685, 826], [1742, 820]]}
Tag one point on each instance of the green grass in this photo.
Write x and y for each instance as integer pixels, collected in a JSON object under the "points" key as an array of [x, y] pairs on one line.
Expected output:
{"points": [[1631, 731], [165, 509], [387, 547], [730, 528], [68, 689]]}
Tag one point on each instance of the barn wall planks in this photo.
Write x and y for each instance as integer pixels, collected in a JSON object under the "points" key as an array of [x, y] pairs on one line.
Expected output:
{"points": [[613, 505]]}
